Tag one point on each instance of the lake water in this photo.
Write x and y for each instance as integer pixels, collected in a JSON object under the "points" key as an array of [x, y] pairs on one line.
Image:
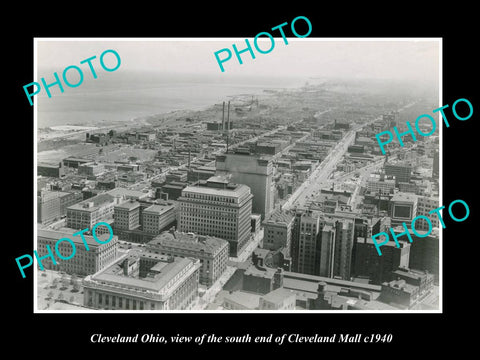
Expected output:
{"points": [[124, 96]]}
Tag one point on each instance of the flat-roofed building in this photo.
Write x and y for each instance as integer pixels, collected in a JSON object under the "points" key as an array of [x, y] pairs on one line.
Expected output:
{"points": [[144, 281], [211, 251], [399, 292], [91, 169], [87, 213], [278, 299], [52, 205], [51, 170], [127, 216], [379, 183], [379, 268], [254, 171], [83, 262], [402, 172], [423, 279], [158, 217], [217, 208], [425, 204], [241, 300], [278, 231], [403, 208]]}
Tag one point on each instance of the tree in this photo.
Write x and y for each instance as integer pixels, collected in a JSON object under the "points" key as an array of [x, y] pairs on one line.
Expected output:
{"points": [[50, 294], [72, 299], [60, 296], [76, 286]]}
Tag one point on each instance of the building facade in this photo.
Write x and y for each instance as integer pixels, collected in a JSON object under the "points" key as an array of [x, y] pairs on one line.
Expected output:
{"points": [[212, 252], [255, 172], [83, 262], [158, 217], [379, 183], [425, 204], [278, 232], [144, 281], [278, 299], [52, 205], [402, 173], [126, 216], [217, 208], [87, 213], [379, 268]]}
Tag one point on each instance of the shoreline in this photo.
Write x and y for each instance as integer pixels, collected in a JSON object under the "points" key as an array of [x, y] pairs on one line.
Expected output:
{"points": [[72, 131]]}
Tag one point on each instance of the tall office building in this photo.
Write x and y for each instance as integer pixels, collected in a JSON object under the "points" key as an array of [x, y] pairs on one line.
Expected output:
{"points": [[308, 244], [402, 173], [158, 217], [378, 268], [278, 231], [425, 204], [52, 205], [424, 250], [127, 216], [324, 244], [217, 208], [255, 172], [327, 251], [344, 246], [436, 164]]}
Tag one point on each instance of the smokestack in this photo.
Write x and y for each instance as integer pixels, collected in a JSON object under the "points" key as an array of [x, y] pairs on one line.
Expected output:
{"points": [[223, 116], [228, 117], [228, 125]]}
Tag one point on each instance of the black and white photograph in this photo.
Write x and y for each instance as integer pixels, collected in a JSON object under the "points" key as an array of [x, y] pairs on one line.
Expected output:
{"points": [[258, 188], [288, 180]]}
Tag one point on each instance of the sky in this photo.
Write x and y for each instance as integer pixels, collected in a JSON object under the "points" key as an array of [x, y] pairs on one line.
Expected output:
{"points": [[405, 59]]}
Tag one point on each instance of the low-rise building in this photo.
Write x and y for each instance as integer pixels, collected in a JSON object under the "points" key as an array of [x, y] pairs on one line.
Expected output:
{"points": [[278, 299], [241, 300], [84, 262], [399, 292], [211, 251], [144, 281]]}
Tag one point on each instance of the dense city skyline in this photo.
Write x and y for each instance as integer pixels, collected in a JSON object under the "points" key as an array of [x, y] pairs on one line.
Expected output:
{"points": [[265, 201]]}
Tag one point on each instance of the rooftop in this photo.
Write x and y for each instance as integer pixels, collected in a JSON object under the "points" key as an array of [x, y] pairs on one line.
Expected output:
{"points": [[254, 271], [56, 235], [246, 299], [233, 191], [400, 284], [129, 205], [183, 241], [93, 203], [166, 271], [369, 241], [336, 282], [279, 217], [118, 191], [278, 295], [402, 196], [158, 209]]}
